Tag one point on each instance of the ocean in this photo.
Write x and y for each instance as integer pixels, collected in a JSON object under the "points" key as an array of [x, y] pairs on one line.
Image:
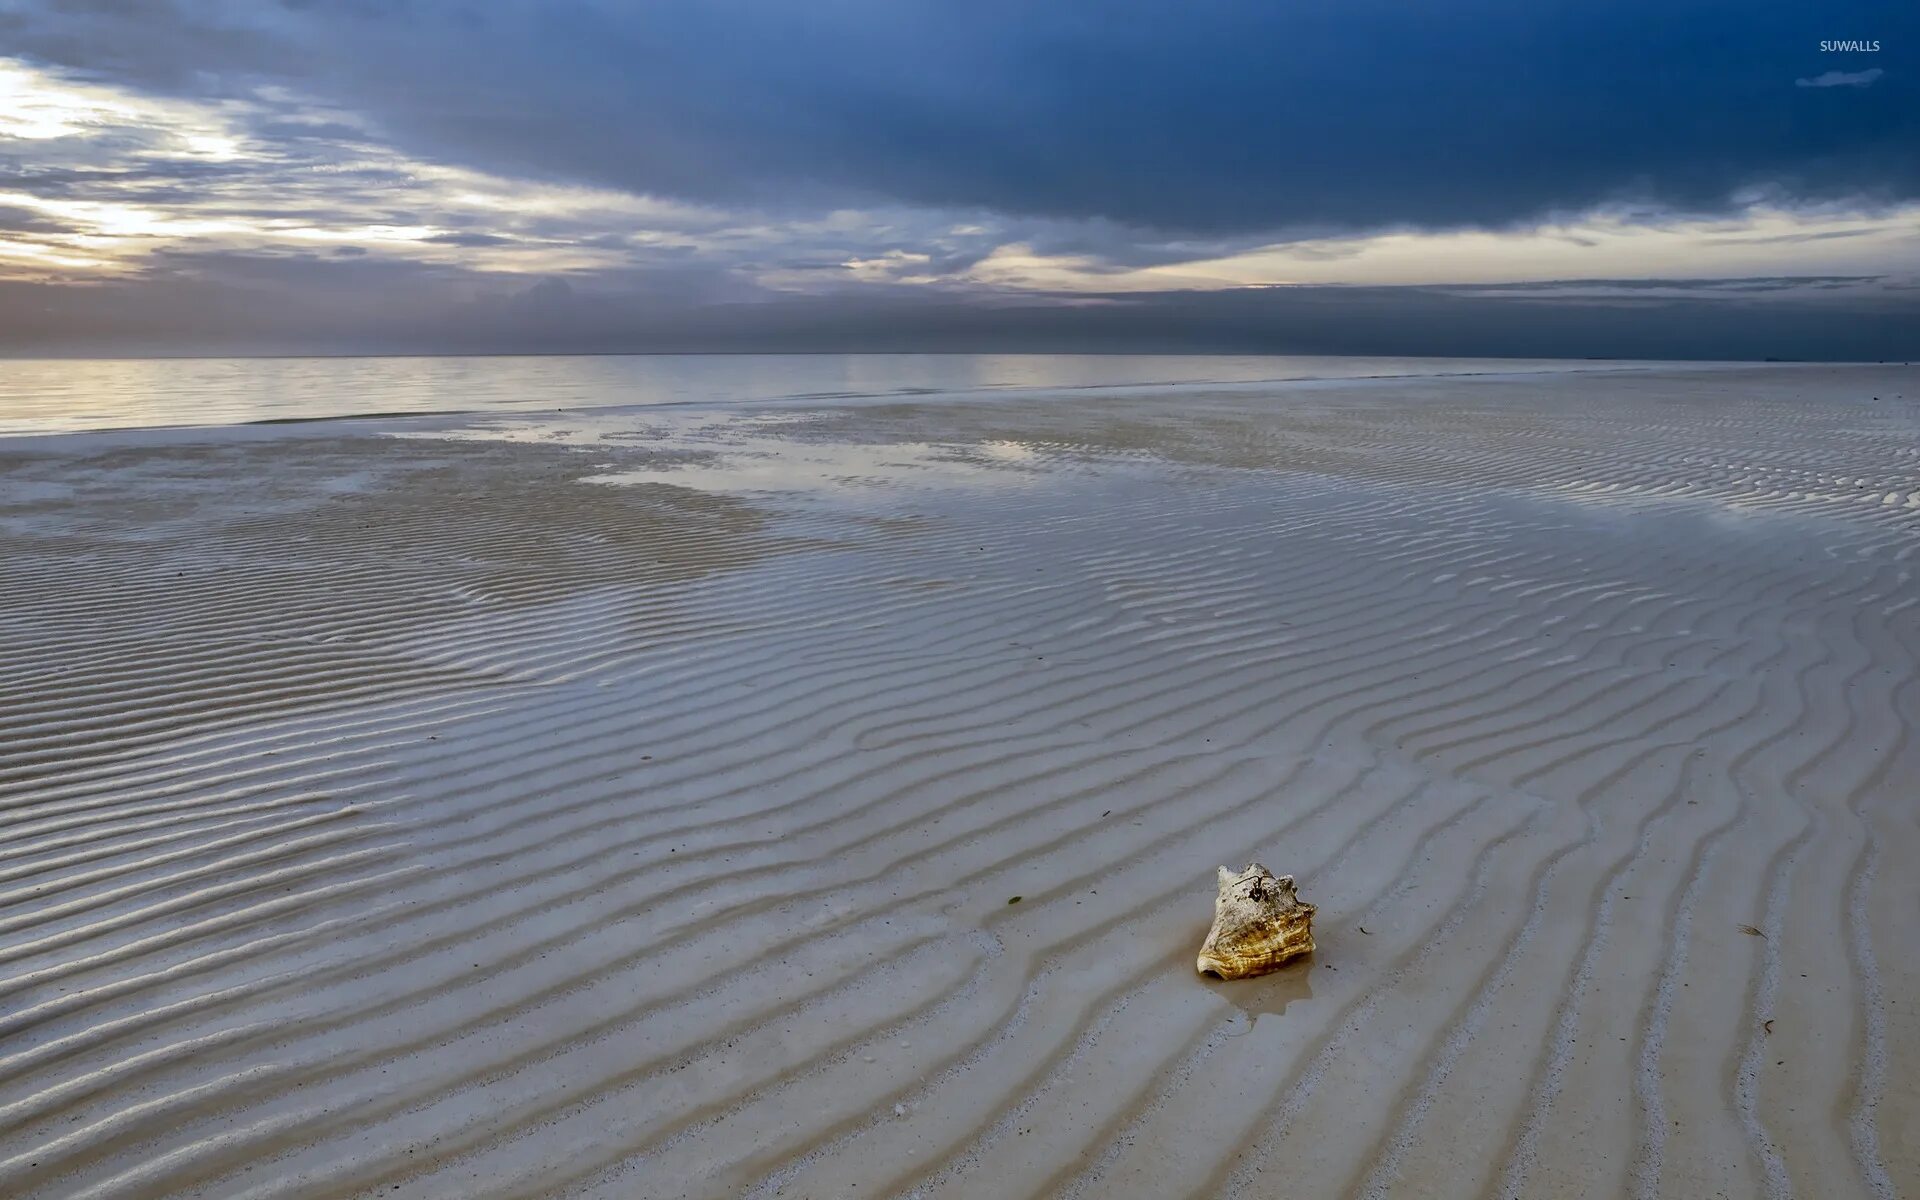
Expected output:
{"points": [[65, 395]]}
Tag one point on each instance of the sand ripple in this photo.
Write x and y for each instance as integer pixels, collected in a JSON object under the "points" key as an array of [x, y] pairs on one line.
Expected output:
{"points": [[495, 812]]}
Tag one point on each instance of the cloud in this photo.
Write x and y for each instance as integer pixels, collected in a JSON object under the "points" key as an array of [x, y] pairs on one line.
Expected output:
{"points": [[1822, 235], [1200, 118], [1857, 79], [467, 239], [375, 172], [1696, 287], [319, 302]]}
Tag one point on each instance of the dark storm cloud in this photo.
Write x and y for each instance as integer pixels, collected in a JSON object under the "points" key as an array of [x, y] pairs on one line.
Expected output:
{"points": [[1202, 117]]}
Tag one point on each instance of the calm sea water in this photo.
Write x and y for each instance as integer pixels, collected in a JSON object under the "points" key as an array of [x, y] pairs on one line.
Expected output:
{"points": [[57, 395]]}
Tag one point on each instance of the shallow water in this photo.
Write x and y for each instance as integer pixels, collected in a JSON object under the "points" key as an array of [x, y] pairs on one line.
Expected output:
{"points": [[627, 804], [61, 395]]}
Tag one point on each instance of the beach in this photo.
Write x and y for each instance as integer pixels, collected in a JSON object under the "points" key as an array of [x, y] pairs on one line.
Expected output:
{"points": [[825, 799]]}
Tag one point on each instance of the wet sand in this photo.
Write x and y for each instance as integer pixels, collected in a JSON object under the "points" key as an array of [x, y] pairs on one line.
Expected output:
{"points": [[630, 803]]}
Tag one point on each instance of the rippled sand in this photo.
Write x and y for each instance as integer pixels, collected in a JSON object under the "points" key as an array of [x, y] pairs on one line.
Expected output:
{"points": [[631, 804]]}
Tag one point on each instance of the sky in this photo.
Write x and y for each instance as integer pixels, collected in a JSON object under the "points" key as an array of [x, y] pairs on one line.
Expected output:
{"points": [[1680, 179]]}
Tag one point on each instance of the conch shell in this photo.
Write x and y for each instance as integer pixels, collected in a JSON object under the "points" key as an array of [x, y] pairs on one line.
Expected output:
{"points": [[1259, 924]]}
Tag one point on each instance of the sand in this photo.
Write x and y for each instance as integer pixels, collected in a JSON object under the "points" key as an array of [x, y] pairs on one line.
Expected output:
{"points": [[632, 804]]}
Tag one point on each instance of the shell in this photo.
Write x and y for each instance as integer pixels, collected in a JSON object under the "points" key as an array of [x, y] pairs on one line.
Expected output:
{"points": [[1259, 924]]}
